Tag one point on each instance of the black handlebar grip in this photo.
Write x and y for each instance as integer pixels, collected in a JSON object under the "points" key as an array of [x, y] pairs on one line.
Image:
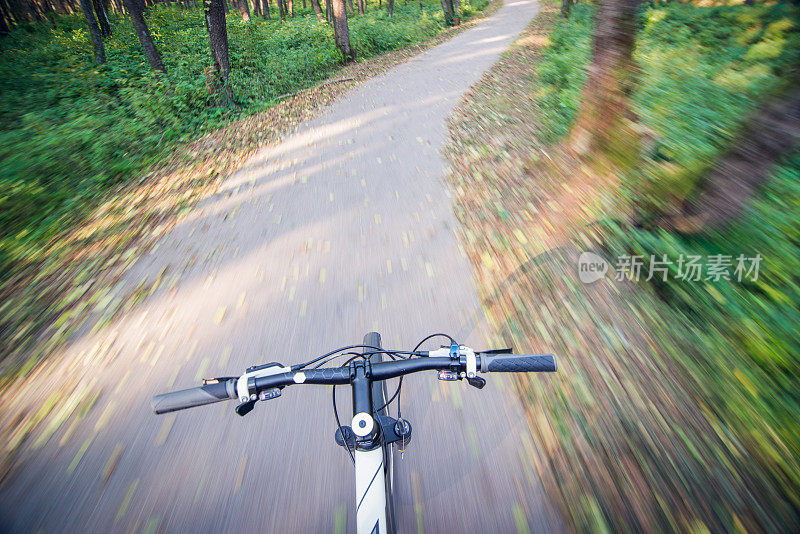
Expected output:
{"points": [[189, 398], [519, 363]]}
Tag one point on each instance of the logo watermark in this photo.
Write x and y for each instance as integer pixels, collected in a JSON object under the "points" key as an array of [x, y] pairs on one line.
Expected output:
{"points": [[591, 267], [685, 267]]}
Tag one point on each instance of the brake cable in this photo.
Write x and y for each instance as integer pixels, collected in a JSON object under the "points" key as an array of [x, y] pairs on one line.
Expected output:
{"points": [[396, 353], [400, 383], [299, 366]]}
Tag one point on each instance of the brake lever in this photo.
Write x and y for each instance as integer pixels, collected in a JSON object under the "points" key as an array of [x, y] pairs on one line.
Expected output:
{"points": [[476, 382], [508, 350], [245, 408]]}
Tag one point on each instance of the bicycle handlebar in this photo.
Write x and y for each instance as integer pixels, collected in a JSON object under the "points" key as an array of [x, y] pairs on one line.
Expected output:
{"points": [[189, 398], [519, 363], [225, 389]]}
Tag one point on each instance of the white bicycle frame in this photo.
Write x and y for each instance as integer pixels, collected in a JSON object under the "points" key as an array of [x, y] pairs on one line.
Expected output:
{"points": [[370, 481], [370, 492]]}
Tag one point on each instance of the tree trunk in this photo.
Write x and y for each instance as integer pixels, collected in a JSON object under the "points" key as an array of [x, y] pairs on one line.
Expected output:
{"points": [[290, 8], [265, 9], [317, 9], [33, 9], [94, 31], [341, 32], [604, 120], [49, 13], [102, 18], [218, 41], [390, 7], [447, 8], [328, 10], [352, 6], [566, 7], [282, 9], [361, 7], [256, 8], [134, 9], [244, 9]]}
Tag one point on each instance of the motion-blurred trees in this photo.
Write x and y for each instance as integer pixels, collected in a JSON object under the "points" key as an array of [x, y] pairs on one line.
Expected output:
{"points": [[102, 17], [566, 7], [604, 118], [135, 9], [94, 31]]}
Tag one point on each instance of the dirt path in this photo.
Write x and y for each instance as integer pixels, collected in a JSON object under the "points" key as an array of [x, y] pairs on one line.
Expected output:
{"points": [[344, 227]]}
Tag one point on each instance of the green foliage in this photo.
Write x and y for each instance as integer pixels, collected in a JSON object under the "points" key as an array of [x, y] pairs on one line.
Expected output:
{"points": [[746, 354], [703, 70], [381, 33], [562, 72], [70, 130]]}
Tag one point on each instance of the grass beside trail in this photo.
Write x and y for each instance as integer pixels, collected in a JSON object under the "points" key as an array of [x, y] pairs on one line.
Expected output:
{"points": [[675, 403]]}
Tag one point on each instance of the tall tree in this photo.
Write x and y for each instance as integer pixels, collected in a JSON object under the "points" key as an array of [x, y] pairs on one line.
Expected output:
{"points": [[243, 8], [265, 9], [390, 7], [135, 9], [214, 11], [317, 9], [257, 8], [33, 9], [603, 121], [450, 16], [290, 8], [94, 31], [341, 32], [361, 7], [328, 10], [566, 7], [102, 17]]}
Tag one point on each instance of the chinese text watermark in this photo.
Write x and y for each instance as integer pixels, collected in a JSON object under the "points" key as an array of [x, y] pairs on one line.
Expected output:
{"points": [[685, 267]]}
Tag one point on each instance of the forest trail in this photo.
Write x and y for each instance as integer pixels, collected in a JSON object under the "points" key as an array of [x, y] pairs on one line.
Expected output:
{"points": [[346, 226]]}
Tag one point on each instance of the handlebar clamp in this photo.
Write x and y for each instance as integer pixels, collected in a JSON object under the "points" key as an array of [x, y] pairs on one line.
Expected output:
{"points": [[245, 385]]}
